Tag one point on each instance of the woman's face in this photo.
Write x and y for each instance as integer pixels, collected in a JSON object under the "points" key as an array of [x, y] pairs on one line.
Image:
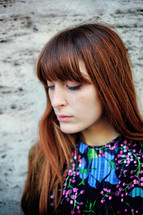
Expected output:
{"points": [[76, 105]]}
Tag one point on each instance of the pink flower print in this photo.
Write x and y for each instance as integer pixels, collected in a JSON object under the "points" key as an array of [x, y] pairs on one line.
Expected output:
{"points": [[114, 147], [117, 193], [102, 201], [74, 196], [134, 151], [82, 191], [139, 157], [135, 181], [80, 161], [110, 197], [121, 152], [64, 192], [52, 196], [125, 141], [70, 173], [73, 168], [79, 156], [75, 190], [69, 192], [128, 161], [72, 212], [71, 202], [120, 189], [141, 179], [79, 212]]}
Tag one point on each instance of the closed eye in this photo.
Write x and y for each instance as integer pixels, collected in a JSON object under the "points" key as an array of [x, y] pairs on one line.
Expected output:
{"points": [[51, 87], [74, 87]]}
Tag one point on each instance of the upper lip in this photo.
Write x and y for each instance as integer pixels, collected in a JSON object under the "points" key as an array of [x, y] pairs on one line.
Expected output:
{"points": [[62, 116]]}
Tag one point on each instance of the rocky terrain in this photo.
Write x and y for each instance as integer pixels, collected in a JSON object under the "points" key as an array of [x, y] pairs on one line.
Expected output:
{"points": [[25, 26]]}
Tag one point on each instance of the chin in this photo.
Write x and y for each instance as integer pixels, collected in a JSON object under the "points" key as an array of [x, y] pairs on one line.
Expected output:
{"points": [[69, 130]]}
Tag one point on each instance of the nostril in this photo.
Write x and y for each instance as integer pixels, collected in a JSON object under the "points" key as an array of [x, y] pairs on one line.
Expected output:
{"points": [[58, 101]]}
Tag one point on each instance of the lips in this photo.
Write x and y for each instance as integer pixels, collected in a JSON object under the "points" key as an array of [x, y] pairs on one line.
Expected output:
{"points": [[63, 118]]}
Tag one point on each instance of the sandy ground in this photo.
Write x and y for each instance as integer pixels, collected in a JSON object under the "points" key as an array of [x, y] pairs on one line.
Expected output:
{"points": [[25, 26]]}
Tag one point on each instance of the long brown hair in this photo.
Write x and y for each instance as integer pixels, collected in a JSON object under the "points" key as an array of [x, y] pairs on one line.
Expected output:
{"points": [[107, 63]]}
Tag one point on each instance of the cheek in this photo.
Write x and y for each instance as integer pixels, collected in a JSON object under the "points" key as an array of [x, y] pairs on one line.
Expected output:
{"points": [[90, 105]]}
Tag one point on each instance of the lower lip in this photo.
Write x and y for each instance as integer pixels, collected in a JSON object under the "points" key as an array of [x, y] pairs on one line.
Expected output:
{"points": [[64, 118]]}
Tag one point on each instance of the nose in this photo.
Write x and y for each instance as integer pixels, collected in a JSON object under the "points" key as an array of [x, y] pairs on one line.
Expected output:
{"points": [[58, 98]]}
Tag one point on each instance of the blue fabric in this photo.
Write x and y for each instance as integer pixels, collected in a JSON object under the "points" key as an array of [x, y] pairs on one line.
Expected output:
{"points": [[105, 180]]}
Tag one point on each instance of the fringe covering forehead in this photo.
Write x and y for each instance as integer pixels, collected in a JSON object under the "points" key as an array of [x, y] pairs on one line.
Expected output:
{"points": [[60, 60]]}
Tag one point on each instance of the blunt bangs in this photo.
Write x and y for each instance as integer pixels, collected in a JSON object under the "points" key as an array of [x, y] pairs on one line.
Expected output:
{"points": [[60, 60]]}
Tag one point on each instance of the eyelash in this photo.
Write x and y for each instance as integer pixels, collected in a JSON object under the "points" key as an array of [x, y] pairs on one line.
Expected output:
{"points": [[78, 87], [50, 87]]}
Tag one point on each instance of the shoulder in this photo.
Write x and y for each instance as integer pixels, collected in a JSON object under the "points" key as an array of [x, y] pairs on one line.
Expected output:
{"points": [[128, 145], [129, 158]]}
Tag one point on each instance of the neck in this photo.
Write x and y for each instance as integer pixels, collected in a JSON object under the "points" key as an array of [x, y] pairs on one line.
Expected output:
{"points": [[100, 133]]}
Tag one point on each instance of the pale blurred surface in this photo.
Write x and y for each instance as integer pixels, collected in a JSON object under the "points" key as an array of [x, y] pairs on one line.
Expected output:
{"points": [[25, 26]]}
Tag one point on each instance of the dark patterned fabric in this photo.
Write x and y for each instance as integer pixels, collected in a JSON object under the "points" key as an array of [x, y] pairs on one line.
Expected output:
{"points": [[104, 180]]}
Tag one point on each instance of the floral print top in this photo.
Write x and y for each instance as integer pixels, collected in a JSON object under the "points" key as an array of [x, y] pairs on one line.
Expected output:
{"points": [[104, 180]]}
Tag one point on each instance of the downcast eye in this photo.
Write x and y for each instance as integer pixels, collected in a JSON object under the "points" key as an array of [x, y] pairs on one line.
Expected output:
{"points": [[51, 87], [77, 87]]}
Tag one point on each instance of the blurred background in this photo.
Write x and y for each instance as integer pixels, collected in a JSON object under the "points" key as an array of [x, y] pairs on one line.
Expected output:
{"points": [[25, 26]]}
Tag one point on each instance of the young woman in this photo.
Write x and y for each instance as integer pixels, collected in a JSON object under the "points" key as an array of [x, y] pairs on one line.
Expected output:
{"points": [[88, 159]]}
